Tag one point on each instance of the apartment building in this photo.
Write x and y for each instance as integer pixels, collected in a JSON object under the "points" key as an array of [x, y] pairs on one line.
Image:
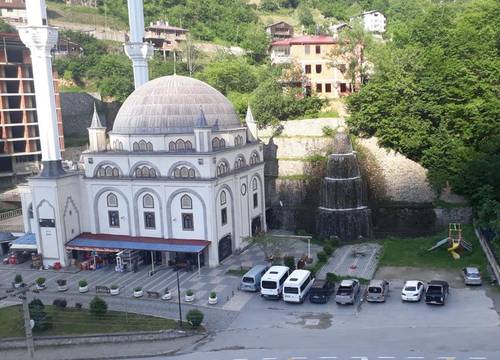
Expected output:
{"points": [[314, 56], [164, 37], [373, 21], [13, 10], [19, 135]]}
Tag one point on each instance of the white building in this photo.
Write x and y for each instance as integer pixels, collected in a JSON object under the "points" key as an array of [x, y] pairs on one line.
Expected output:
{"points": [[13, 10], [178, 171], [373, 21]]}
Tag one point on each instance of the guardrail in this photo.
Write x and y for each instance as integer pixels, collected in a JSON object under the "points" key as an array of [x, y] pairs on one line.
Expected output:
{"points": [[489, 255], [10, 214]]}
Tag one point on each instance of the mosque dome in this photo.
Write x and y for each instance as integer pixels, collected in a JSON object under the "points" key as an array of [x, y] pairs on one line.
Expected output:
{"points": [[172, 104]]}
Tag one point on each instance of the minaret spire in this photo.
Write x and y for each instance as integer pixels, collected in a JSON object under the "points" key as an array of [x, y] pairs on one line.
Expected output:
{"points": [[40, 39], [252, 134], [136, 49]]}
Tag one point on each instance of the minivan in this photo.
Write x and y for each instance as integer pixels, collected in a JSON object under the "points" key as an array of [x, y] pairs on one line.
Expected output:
{"points": [[321, 291], [271, 284], [377, 291], [251, 280], [297, 286]]}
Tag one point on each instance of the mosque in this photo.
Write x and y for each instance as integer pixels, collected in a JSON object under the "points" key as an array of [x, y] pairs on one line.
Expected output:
{"points": [[177, 177]]}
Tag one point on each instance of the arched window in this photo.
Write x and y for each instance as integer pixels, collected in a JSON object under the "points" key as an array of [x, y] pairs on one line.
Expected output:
{"points": [[112, 200], [238, 140], [222, 168], [149, 146], [179, 145], [152, 172], [118, 145], [30, 211], [254, 158], [189, 145], [116, 173], [148, 201], [222, 143], [215, 143], [240, 162], [145, 171], [191, 173], [186, 202], [177, 173], [101, 172], [135, 147], [171, 146], [184, 172], [142, 145], [108, 171], [254, 184], [223, 198]]}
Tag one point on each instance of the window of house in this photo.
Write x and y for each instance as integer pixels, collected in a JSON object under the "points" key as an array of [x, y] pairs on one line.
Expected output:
{"points": [[186, 202], [343, 87], [318, 69], [223, 216], [187, 222], [308, 69], [148, 201], [223, 198], [307, 49], [328, 88], [255, 200], [254, 158], [114, 218], [319, 88], [171, 146], [149, 220], [254, 184], [112, 200], [318, 49]]}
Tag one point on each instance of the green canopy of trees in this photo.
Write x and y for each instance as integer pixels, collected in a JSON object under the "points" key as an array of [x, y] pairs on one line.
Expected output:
{"points": [[434, 96]]}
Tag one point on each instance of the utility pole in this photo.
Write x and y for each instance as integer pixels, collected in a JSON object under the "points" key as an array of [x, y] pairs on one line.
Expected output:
{"points": [[179, 298]]}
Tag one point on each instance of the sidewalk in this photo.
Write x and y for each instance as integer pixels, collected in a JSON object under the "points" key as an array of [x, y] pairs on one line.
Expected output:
{"points": [[105, 351]]}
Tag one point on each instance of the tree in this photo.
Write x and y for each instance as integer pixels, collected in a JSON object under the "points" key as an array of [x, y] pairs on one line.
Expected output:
{"points": [[269, 5], [98, 307], [272, 246], [194, 317], [39, 315], [305, 16], [192, 55]]}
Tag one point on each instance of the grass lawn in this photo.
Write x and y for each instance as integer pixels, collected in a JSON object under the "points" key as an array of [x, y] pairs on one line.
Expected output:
{"points": [[413, 252], [73, 321], [237, 272], [83, 15]]}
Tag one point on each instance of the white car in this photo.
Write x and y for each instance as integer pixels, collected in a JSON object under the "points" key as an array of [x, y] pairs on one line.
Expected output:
{"points": [[412, 290]]}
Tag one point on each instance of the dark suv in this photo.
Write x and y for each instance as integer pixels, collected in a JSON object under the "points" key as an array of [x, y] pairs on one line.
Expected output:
{"points": [[437, 292], [321, 291]]}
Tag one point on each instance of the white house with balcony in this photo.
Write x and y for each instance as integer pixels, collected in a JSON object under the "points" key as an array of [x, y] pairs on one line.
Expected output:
{"points": [[178, 176], [373, 21]]}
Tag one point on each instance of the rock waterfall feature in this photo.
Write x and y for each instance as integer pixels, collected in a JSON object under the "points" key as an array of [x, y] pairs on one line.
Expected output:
{"points": [[343, 209]]}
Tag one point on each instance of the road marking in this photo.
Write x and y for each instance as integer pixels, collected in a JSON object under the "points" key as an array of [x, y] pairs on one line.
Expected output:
{"points": [[386, 357], [415, 357], [298, 358], [327, 357], [447, 357], [269, 358], [359, 357], [477, 358]]}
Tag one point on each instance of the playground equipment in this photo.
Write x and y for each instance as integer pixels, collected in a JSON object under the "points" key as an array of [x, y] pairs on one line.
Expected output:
{"points": [[455, 241]]}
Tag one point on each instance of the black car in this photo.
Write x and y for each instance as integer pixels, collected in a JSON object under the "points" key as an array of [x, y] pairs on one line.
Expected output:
{"points": [[437, 292], [321, 291]]}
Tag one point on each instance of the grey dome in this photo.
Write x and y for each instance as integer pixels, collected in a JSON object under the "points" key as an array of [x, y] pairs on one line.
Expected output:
{"points": [[171, 104]]}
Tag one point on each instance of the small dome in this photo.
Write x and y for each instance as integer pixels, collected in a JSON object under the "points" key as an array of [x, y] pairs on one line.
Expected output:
{"points": [[171, 104]]}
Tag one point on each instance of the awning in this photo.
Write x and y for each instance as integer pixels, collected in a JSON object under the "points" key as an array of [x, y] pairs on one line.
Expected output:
{"points": [[116, 243], [25, 242]]}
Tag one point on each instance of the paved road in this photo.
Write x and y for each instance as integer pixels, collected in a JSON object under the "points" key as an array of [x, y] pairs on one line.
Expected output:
{"points": [[466, 328]]}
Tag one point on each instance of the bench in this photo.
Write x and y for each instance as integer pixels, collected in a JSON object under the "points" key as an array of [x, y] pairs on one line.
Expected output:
{"points": [[102, 290], [153, 294]]}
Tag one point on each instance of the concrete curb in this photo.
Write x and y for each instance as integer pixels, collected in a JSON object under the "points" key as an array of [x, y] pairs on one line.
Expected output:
{"points": [[43, 341]]}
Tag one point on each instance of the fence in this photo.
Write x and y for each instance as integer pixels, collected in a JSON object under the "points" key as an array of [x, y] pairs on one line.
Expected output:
{"points": [[489, 255], [10, 214]]}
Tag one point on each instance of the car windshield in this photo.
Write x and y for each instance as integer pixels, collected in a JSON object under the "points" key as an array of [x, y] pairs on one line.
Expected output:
{"points": [[374, 290], [269, 285], [473, 275], [247, 279], [410, 288], [291, 290]]}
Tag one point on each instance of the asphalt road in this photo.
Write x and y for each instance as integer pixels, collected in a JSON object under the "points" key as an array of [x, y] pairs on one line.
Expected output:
{"points": [[467, 327]]}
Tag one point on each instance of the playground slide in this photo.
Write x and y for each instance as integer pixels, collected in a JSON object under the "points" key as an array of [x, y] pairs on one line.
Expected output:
{"points": [[452, 251], [438, 244]]}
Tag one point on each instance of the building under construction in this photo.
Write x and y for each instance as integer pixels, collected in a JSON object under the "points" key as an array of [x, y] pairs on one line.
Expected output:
{"points": [[19, 135]]}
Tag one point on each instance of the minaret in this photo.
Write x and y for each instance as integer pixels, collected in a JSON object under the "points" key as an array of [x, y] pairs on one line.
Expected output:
{"points": [[202, 133], [136, 49], [252, 133], [97, 133], [40, 39]]}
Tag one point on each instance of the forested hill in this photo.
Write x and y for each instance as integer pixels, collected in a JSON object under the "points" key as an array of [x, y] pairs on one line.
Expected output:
{"points": [[434, 96]]}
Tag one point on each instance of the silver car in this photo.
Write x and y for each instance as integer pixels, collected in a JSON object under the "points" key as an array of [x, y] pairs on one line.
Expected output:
{"points": [[347, 292], [377, 291], [251, 280], [472, 276]]}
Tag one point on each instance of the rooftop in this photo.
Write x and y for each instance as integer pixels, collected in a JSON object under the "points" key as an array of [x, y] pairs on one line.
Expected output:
{"points": [[306, 40]]}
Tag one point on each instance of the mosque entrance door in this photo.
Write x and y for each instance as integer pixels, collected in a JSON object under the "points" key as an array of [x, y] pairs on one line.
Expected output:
{"points": [[256, 226], [225, 247]]}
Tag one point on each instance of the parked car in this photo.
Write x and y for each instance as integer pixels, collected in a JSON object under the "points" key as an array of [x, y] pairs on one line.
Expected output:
{"points": [[321, 291], [412, 290], [472, 276], [437, 292], [251, 280], [347, 291], [377, 291]]}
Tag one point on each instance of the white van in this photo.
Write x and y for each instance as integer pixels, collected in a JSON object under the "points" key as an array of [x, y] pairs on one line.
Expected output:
{"points": [[271, 284], [297, 286]]}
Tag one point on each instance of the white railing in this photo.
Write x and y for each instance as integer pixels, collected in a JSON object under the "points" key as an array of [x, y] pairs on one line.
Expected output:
{"points": [[10, 214]]}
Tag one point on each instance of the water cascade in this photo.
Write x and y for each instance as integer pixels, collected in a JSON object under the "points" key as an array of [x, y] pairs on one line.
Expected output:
{"points": [[343, 209]]}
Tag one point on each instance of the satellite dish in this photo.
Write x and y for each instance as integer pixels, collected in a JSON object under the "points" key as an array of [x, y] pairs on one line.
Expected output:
{"points": [[32, 323]]}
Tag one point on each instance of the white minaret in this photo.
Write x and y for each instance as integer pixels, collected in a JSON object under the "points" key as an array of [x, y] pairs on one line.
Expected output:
{"points": [[97, 133], [253, 132], [136, 49], [40, 39]]}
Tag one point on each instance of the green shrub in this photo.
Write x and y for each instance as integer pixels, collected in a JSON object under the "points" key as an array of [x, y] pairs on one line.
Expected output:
{"points": [[328, 250], [333, 242], [18, 279], [38, 315], [40, 281], [289, 261], [194, 317], [114, 286], [331, 277], [213, 295], [328, 131], [60, 303], [189, 292], [302, 232], [322, 256], [98, 307], [82, 283], [137, 289]]}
